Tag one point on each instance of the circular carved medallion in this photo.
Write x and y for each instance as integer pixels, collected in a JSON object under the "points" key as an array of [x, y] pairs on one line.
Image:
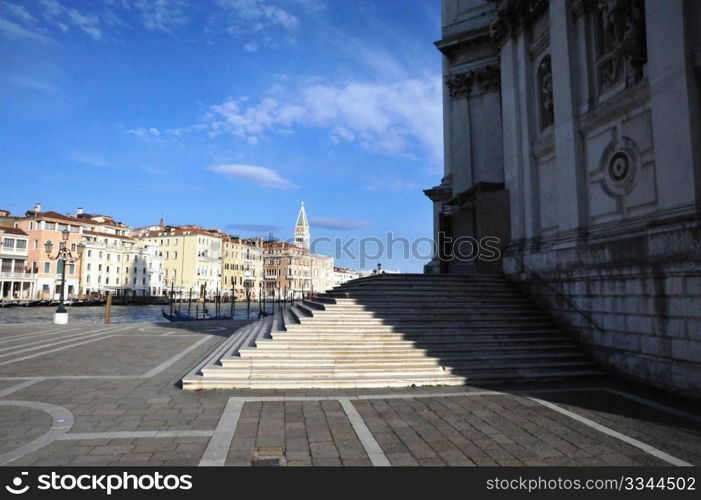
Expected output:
{"points": [[619, 166]]}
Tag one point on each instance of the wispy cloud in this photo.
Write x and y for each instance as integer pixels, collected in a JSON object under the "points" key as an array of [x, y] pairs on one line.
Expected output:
{"points": [[19, 12], [161, 15], [255, 15], [56, 13], [337, 223], [15, 31], [89, 24], [261, 176], [145, 134]]}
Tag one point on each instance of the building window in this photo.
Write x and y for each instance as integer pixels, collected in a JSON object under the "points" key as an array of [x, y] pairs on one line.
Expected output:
{"points": [[88, 266], [8, 243], [71, 269], [21, 244], [89, 253], [99, 267], [47, 267]]}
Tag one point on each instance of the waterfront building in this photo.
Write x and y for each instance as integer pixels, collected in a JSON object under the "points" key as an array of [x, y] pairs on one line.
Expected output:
{"points": [[42, 227], [191, 258], [16, 279], [242, 267], [573, 134]]}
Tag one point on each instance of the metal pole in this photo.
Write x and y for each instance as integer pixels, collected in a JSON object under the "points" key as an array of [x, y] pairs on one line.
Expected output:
{"points": [[61, 306], [172, 291], [189, 302], [248, 303]]}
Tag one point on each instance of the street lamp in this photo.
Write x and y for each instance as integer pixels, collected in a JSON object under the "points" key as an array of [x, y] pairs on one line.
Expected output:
{"points": [[66, 257]]}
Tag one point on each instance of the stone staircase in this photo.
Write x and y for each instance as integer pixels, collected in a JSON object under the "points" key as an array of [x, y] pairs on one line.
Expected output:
{"points": [[398, 331]]}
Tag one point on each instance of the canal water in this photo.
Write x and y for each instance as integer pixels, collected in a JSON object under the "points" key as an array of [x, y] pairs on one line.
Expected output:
{"points": [[119, 314]]}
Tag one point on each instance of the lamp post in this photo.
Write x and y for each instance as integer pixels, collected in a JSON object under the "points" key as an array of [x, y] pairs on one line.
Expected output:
{"points": [[65, 256]]}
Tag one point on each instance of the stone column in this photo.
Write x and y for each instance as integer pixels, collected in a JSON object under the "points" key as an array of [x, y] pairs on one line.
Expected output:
{"points": [[571, 181], [511, 137], [675, 126], [460, 153]]}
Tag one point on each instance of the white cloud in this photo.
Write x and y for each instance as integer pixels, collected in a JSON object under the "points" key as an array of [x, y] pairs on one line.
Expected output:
{"points": [[387, 117], [256, 15], [87, 23], [250, 47], [261, 176], [19, 12], [53, 11], [15, 31], [161, 15], [337, 223], [145, 133]]}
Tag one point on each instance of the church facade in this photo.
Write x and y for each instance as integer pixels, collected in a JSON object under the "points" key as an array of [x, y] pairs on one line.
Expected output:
{"points": [[573, 134]]}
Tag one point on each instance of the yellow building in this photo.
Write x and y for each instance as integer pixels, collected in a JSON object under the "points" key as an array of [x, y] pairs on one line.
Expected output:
{"points": [[242, 267], [191, 256]]}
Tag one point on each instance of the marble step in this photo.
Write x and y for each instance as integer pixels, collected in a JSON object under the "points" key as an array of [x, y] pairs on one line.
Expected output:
{"points": [[338, 350], [394, 371], [408, 327], [417, 360], [383, 381], [301, 335]]}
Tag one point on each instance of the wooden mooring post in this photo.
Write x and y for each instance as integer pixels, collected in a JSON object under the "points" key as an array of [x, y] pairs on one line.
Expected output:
{"points": [[108, 308]]}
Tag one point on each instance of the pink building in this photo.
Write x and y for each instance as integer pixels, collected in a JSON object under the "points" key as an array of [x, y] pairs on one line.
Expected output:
{"points": [[41, 227]]}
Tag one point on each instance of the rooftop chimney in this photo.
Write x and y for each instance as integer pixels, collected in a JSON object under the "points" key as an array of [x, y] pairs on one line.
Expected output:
{"points": [[79, 211], [37, 207]]}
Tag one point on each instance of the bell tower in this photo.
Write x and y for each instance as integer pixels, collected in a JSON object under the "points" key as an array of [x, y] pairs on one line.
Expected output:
{"points": [[302, 229]]}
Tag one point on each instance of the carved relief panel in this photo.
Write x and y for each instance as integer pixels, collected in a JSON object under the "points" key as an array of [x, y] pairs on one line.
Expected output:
{"points": [[621, 169], [620, 40]]}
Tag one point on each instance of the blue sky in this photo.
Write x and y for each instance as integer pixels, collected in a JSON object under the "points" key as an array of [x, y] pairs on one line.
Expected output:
{"points": [[225, 113]]}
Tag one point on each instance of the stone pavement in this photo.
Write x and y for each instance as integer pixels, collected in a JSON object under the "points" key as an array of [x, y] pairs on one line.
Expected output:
{"points": [[108, 395]]}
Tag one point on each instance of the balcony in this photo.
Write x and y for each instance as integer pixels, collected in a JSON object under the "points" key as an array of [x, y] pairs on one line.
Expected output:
{"points": [[13, 251], [18, 276]]}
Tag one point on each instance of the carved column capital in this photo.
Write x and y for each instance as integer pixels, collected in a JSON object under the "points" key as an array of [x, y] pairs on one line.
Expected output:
{"points": [[463, 84]]}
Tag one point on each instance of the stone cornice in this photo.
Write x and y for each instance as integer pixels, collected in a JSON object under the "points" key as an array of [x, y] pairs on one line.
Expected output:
{"points": [[439, 193], [617, 105]]}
